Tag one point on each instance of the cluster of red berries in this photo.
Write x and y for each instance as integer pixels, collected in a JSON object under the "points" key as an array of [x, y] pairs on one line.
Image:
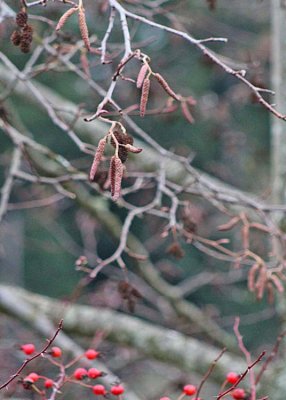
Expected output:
{"points": [[81, 374], [237, 393], [24, 36]]}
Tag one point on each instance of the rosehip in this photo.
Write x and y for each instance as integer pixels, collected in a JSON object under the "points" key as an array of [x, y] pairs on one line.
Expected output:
{"points": [[28, 348], [91, 354], [49, 383], [189, 390], [238, 394], [80, 373], [99, 390], [56, 352], [232, 377], [93, 373], [33, 377], [117, 390]]}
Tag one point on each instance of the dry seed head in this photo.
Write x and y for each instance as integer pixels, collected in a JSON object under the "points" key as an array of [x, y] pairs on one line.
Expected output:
{"points": [[144, 96], [116, 173], [65, 17], [166, 87], [21, 19], [25, 46], [83, 28], [141, 76], [97, 158]]}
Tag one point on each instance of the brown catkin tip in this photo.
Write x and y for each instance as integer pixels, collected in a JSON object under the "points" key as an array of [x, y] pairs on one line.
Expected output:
{"points": [[116, 173], [65, 17], [166, 87], [144, 96], [141, 76], [97, 158], [83, 28], [16, 38], [21, 19]]}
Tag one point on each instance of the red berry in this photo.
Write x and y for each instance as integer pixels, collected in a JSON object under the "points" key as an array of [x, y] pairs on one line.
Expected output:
{"points": [[189, 390], [49, 383], [232, 377], [99, 390], [28, 348], [165, 398], [33, 376], [117, 390], [56, 352], [80, 373], [93, 373], [91, 354], [238, 394]]}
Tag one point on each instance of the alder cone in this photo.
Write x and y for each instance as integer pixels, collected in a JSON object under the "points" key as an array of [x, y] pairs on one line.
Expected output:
{"points": [[16, 38], [21, 19], [125, 139]]}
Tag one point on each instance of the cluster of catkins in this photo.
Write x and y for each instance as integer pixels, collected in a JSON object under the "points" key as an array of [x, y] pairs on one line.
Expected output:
{"points": [[24, 36]]}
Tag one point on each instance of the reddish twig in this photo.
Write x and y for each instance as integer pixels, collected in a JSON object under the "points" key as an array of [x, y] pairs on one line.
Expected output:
{"points": [[247, 356], [209, 371], [242, 376], [26, 362], [270, 357]]}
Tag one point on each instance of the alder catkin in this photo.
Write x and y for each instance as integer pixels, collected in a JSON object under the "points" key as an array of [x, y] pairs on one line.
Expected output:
{"points": [[97, 158], [144, 96], [166, 86], [116, 173], [141, 76], [65, 17], [83, 28]]}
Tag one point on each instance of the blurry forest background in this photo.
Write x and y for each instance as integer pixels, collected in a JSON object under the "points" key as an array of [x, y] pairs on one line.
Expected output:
{"points": [[44, 232]]}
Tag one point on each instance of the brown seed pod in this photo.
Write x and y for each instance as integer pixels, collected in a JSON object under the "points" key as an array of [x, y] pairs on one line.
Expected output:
{"points": [[116, 173], [83, 28], [176, 250], [141, 76], [144, 96], [166, 86], [27, 35], [65, 17], [21, 18], [16, 38]]}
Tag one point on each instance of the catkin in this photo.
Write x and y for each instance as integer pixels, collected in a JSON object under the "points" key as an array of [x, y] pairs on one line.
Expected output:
{"points": [[116, 173], [65, 17], [83, 28], [141, 76], [97, 158], [144, 96], [166, 87]]}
